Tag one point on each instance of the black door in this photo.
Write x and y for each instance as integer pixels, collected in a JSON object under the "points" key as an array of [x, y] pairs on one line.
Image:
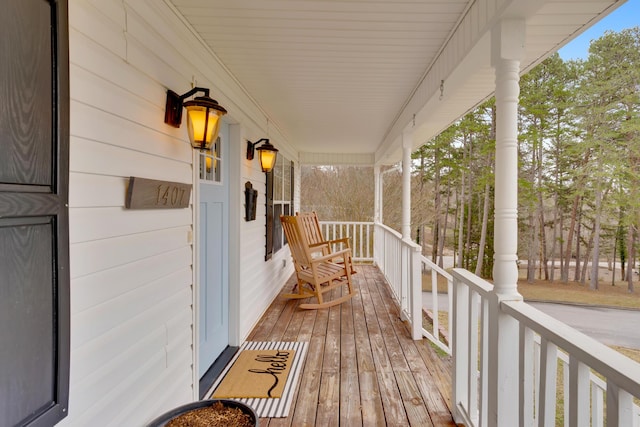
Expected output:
{"points": [[34, 225]]}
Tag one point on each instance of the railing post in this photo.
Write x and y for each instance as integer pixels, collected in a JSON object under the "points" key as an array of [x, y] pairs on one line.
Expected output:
{"points": [[503, 390], [460, 350], [416, 293]]}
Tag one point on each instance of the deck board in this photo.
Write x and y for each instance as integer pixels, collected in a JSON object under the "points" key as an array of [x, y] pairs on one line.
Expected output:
{"points": [[362, 367]]}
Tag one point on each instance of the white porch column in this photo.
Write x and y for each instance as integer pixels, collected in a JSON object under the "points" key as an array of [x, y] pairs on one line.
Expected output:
{"points": [[377, 197], [406, 185], [503, 386]]}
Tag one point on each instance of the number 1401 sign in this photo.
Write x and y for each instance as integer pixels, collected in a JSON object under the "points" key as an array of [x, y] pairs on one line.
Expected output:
{"points": [[145, 193]]}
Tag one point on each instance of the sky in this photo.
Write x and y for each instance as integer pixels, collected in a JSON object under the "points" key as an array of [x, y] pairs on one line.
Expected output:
{"points": [[625, 16]]}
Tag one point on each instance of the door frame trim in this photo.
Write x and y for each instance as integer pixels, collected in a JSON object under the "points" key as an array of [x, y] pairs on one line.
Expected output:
{"points": [[231, 181]]}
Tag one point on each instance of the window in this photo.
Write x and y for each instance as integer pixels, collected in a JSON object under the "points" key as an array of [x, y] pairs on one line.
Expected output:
{"points": [[210, 164], [279, 202]]}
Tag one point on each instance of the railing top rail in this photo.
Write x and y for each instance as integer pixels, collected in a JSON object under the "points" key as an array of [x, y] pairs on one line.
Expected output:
{"points": [[389, 230], [416, 247], [437, 268], [346, 222], [474, 282], [615, 366]]}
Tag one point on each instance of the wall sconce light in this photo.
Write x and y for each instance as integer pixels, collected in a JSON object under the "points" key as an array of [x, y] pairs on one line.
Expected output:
{"points": [[203, 116], [266, 152]]}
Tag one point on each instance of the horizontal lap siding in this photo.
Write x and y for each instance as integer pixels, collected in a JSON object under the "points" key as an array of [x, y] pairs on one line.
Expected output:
{"points": [[131, 311], [261, 281], [132, 287]]}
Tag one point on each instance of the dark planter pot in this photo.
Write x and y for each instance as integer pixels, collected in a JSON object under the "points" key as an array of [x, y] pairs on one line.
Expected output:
{"points": [[169, 415]]}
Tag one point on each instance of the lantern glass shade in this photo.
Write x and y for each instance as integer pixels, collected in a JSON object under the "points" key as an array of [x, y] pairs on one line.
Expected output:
{"points": [[267, 154], [203, 124]]}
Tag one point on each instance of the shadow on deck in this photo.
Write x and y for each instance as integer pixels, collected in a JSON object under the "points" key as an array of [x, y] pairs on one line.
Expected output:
{"points": [[362, 367]]}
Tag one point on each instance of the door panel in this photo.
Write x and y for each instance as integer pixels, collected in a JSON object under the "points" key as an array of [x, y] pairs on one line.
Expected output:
{"points": [[214, 292], [213, 243]]}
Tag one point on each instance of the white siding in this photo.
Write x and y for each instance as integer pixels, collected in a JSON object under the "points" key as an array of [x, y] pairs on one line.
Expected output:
{"points": [[131, 270], [132, 340], [261, 281]]}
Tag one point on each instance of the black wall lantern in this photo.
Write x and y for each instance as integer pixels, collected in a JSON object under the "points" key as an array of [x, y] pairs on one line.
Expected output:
{"points": [[203, 116], [267, 153]]}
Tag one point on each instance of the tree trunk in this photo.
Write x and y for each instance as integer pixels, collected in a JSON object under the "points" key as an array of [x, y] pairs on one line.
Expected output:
{"points": [[445, 223], [631, 256], [461, 227], [613, 271], [467, 245], [483, 232], [461, 211], [437, 208], [563, 260], [531, 256], [542, 234], [587, 255], [554, 240], [567, 256], [576, 276], [595, 261]]}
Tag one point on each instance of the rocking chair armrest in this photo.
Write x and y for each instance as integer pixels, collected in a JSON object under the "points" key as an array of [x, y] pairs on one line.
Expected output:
{"points": [[331, 256], [344, 240]]}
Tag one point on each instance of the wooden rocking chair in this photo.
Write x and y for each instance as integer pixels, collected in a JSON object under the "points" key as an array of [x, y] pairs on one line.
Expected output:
{"points": [[311, 228], [316, 271]]}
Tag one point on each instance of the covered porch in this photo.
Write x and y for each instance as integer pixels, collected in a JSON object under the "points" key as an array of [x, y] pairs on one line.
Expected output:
{"points": [[362, 367], [359, 83]]}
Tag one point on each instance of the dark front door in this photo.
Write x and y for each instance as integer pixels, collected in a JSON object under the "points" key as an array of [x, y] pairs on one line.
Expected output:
{"points": [[34, 225]]}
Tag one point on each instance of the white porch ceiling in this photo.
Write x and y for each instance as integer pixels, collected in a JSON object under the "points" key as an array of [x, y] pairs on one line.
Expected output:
{"points": [[347, 76]]}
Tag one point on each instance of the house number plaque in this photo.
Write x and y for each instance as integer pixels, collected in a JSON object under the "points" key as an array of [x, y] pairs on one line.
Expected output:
{"points": [[145, 193]]}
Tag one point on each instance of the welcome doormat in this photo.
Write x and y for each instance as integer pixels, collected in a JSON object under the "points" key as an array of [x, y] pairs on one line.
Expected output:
{"points": [[257, 373], [263, 375]]}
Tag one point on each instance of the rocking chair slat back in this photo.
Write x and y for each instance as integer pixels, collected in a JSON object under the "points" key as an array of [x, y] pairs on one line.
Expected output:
{"points": [[311, 226], [297, 242]]}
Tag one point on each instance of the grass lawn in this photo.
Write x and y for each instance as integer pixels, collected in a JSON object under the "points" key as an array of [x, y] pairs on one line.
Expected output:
{"points": [[614, 296]]}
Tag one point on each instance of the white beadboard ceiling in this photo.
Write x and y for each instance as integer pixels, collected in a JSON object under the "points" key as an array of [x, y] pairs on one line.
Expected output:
{"points": [[342, 76]]}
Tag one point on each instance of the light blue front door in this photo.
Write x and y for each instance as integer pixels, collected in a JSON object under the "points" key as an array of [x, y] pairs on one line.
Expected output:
{"points": [[214, 241]]}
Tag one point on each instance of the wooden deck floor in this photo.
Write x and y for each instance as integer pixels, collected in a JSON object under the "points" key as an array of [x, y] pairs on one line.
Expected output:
{"points": [[362, 367]]}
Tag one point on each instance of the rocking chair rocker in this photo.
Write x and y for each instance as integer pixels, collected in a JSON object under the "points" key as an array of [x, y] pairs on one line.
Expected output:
{"points": [[317, 271]]}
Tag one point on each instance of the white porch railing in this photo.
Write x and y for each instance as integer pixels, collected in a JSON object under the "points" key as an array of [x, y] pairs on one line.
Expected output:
{"points": [[361, 234], [598, 383], [544, 344], [397, 261], [400, 262], [432, 273]]}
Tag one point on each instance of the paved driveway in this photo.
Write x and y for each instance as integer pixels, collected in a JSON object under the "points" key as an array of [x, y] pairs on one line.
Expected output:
{"points": [[608, 325]]}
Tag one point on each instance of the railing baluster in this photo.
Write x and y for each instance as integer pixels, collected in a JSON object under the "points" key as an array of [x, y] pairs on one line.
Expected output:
{"points": [[619, 406], [597, 406], [547, 386], [484, 363], [434, 304], [474, 304], [527, 374], [578, 393], [461, 351]]}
